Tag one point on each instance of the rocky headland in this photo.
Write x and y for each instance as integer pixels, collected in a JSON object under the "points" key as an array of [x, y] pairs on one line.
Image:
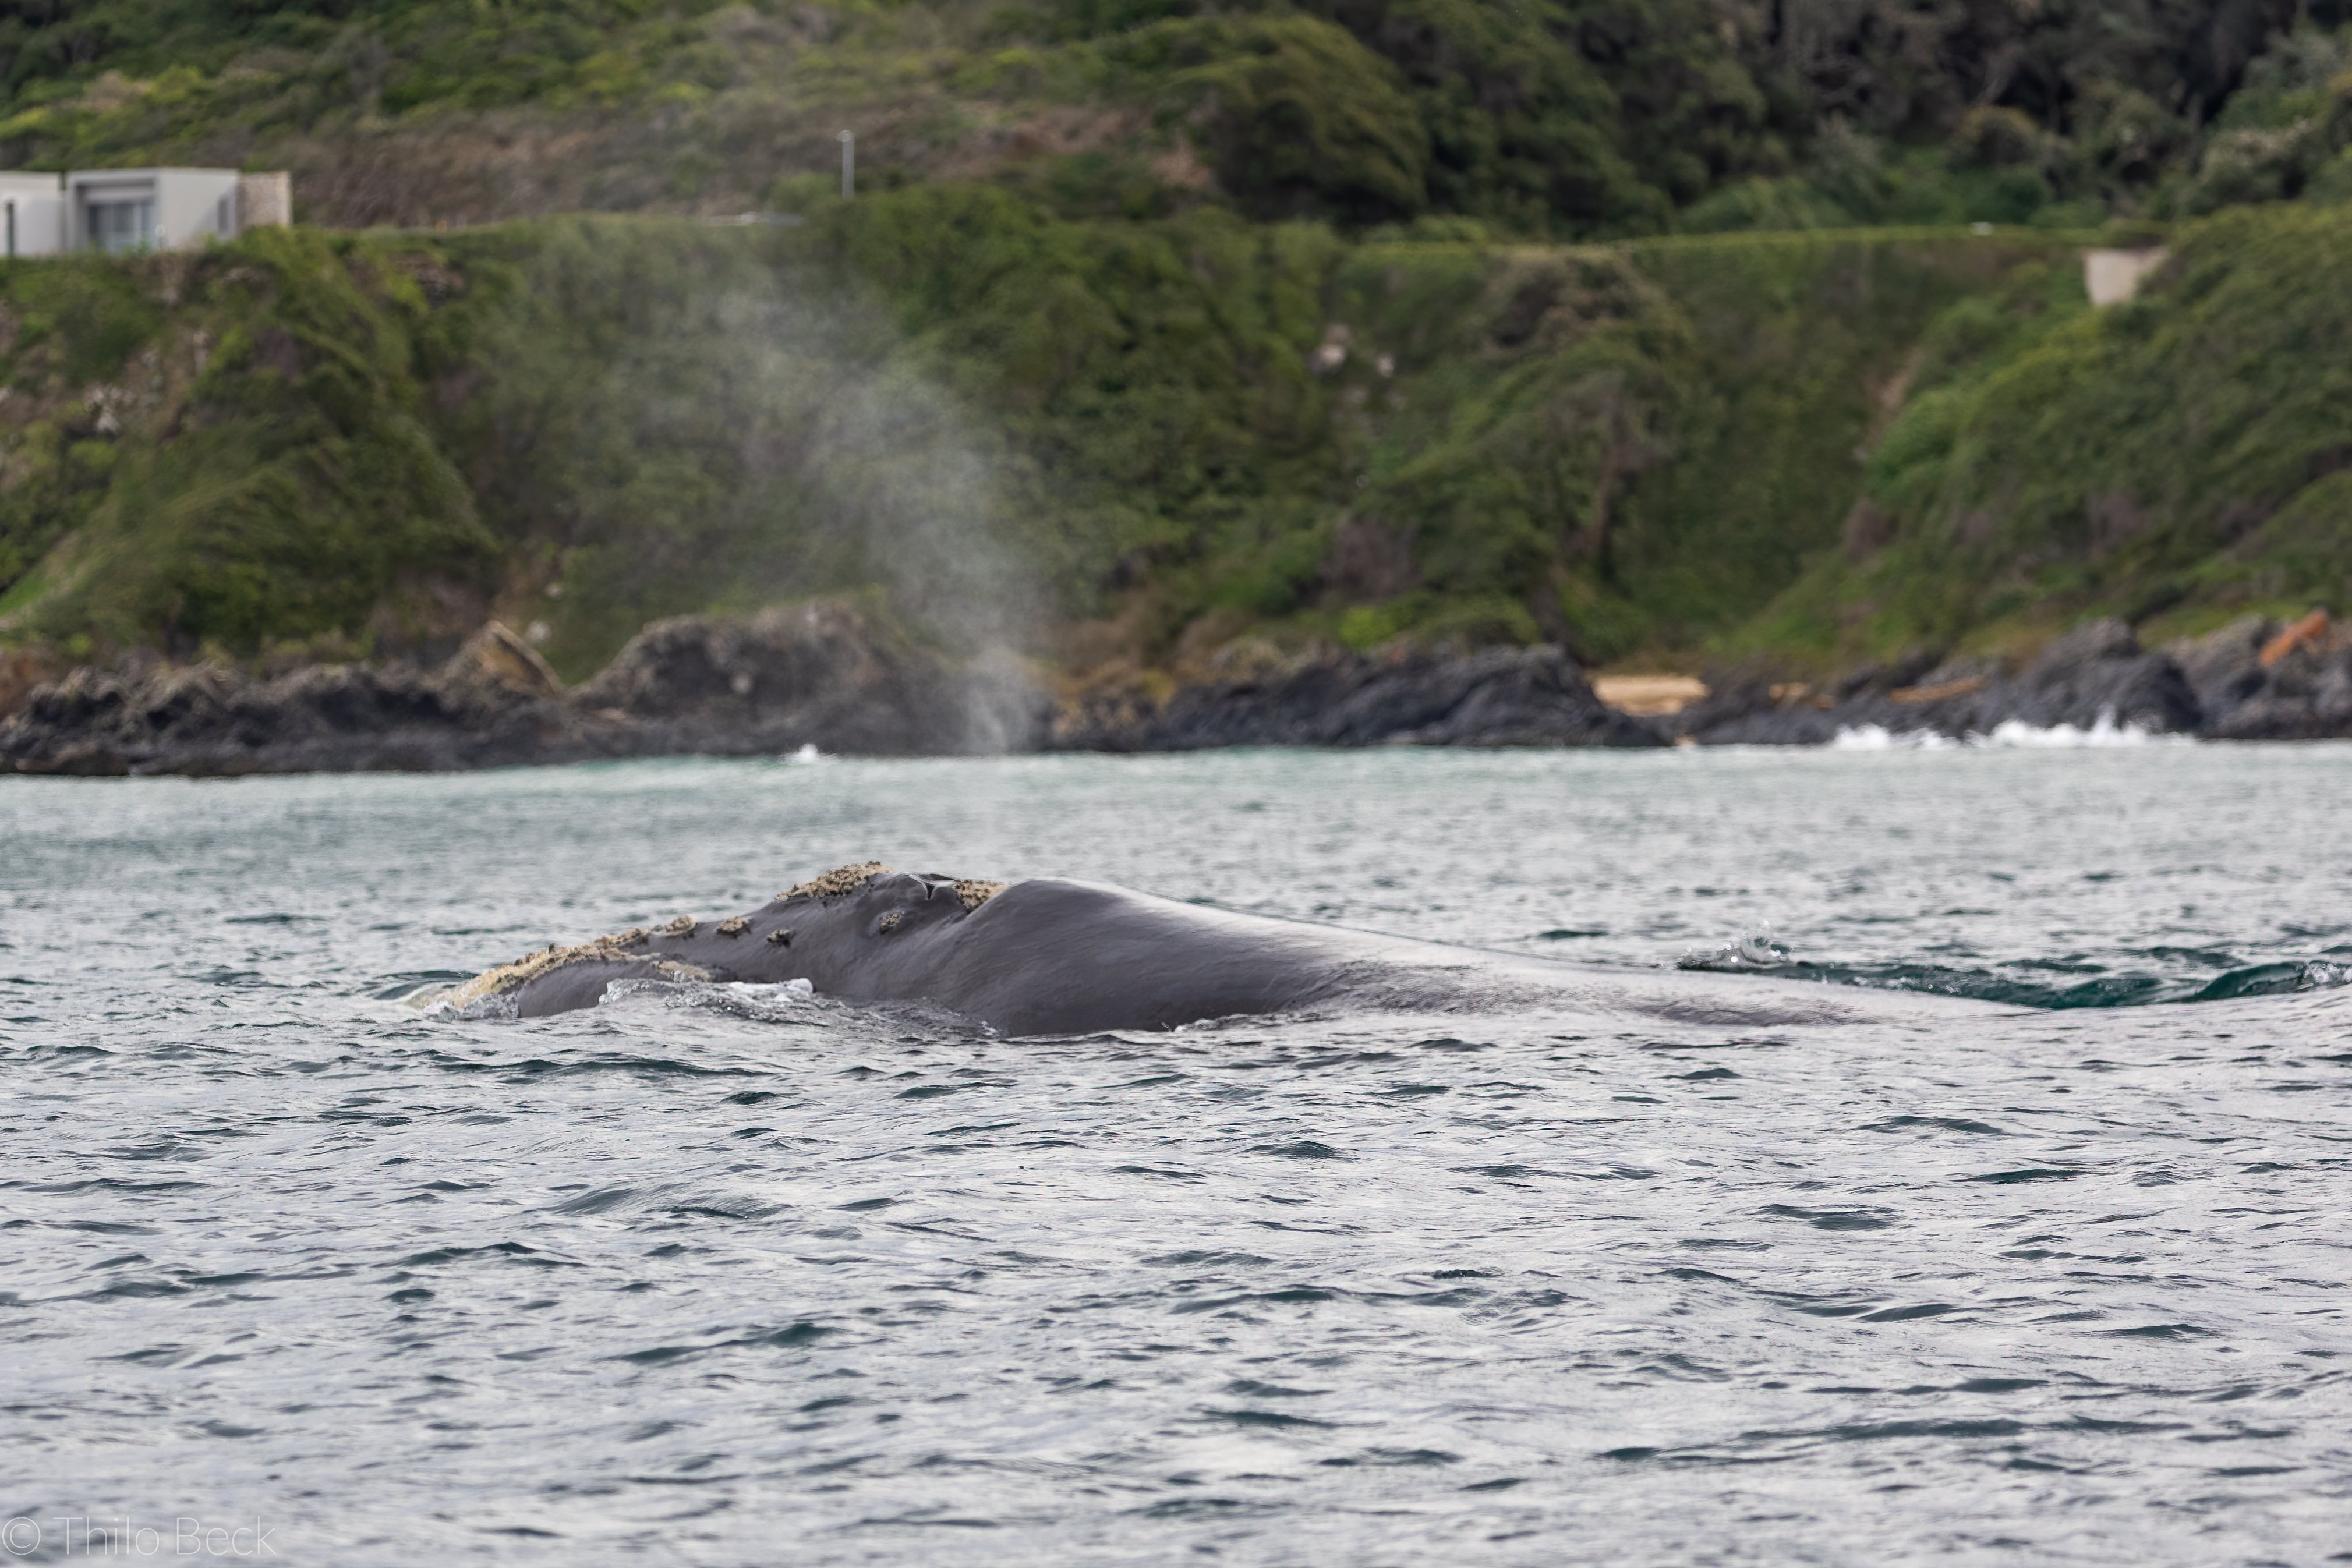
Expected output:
{"points": [[831, 674], [2254, 679], [824, 674], [1400, 696]]}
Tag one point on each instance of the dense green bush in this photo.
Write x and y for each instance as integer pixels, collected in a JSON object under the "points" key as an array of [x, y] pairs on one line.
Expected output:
{"points": [[295, 491], [2177, 458], [1544, 119], [2283, 129], [61, 327], [1196, 426], [1295, 115]]}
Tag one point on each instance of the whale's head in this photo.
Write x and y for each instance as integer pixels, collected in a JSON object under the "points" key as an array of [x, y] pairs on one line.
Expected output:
{"points": [[865, 932], [881, 901], [863, 929]]}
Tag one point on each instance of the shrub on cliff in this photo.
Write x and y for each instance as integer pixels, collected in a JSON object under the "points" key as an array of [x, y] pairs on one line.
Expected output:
{"points": [[2177, 456], [254, 464], [1538, 117]]}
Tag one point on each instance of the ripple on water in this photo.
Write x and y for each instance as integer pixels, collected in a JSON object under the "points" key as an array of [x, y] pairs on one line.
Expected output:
{"points": [[706, 1269]]}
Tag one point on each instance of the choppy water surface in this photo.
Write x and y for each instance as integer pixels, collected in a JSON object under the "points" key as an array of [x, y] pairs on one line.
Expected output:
{"points": [[731, 1278]]}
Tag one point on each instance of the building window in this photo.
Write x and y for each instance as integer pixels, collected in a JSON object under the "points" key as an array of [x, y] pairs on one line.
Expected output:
{"points": [[118, 225]]}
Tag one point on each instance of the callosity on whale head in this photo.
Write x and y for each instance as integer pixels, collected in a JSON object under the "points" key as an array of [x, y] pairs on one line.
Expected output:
{"points": [[843, 931]]}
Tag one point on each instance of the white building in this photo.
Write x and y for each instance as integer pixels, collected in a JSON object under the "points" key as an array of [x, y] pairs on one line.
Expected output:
{"points": [[34, 208], [137, 209], [148, 209]]}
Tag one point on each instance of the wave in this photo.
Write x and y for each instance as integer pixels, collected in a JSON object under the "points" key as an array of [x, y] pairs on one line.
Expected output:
{"points": [[2010, 734], [1759, 954], [777, 1002]]}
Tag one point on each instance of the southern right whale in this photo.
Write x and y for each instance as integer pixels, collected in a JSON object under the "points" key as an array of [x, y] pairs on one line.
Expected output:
{"points": [[1049, 957]]}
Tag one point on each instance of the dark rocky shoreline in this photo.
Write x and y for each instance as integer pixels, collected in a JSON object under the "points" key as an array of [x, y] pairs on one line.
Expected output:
{"points": [[822, 674], [1491, 697], [2254, 679], [827, 675]]}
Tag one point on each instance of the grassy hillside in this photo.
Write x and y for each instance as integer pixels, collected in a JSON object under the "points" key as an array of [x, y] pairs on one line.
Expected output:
{"points": [[1128, 444], [1535, 119], [1655, 327], [2174, 462], [945, 393]]}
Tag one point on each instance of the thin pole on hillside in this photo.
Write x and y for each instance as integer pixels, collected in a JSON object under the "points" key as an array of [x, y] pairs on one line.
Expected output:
{"points": [[848, 164]]}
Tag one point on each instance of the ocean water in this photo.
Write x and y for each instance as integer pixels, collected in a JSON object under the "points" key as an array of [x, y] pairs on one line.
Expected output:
{"points": [[718, 1275]]}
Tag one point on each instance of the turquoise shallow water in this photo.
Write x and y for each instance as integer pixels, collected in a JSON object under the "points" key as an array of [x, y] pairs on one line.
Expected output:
{"points": [[721, 1276]]}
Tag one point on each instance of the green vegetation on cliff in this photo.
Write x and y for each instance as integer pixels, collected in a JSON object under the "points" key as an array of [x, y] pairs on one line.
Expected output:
{"points": [[1164, 435], [226, 449], [1161, 324], [2175, 460], [1537, 118]]}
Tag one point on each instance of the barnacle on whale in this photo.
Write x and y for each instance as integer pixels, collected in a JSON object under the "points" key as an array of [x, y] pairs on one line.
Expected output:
{"points": [[973, 894], [523, 971], [629, 954], [835, 883]]}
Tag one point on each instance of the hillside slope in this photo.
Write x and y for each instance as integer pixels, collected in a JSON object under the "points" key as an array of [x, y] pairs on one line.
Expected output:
{"points": [[1173, 431], [2172, 462], [1126, 445], [1535, 119]]}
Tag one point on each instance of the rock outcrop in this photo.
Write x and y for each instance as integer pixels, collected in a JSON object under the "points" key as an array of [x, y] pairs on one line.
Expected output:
{"points": [[205, 719], [2258, 680], [1494, 697], [833, 675], [2252, 679], [22, 670], [825, 675]]}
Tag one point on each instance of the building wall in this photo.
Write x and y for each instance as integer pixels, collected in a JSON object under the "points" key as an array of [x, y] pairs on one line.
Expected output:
{"points": [[195, 206], [265, 201], [191, 205], [32, 213]]}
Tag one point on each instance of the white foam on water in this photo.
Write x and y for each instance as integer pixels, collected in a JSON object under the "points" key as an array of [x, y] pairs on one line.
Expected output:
{"points": [[1878, 737], [2011, 733], [2105, 731], [1750, 950]]}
